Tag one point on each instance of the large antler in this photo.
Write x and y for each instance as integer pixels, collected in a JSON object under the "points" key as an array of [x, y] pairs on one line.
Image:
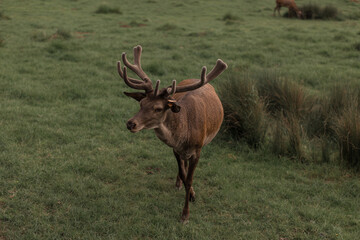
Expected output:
{"points": [[146, 83], [216, 71]]}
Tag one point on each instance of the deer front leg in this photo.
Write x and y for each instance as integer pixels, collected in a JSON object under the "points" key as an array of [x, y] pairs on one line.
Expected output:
{"points": [[181, 172], [188, 187], [180, 178], [179, 182]]}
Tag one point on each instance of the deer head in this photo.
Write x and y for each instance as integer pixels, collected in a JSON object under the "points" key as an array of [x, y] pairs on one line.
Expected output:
{"points": [[155, 103]]}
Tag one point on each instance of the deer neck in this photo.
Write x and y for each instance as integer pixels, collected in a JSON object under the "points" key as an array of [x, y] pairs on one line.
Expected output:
{"points": [[172, 130]]}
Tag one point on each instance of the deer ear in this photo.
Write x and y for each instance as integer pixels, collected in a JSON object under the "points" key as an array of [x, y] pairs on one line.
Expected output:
{"points": [[136, 95], [173, 106]]}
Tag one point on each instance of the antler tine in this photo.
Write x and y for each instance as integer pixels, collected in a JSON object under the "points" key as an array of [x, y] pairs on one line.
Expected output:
{"points": [[145, 84], [129, 78], [137, 55], [136, 68], [172, 90], [156, 91], [219, 67], [132, 84]]}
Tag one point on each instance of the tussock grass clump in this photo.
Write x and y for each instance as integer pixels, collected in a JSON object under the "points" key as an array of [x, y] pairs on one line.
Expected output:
{"points": [[347, 130], [167, 27], [283, 96], [279, 140], [318, 117], [314, 11], [342, 97], [3, 16], [294, 130], [244, 110], [288, 103], [356, 46], [43, 35], [272, 110], [230, 19], [311, 11], [40, 36], [62, 34], [2, 42], [329, 12], [287, 138], [105, 9]]}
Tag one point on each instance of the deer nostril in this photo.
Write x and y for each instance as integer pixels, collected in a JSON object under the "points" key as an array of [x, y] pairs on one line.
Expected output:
{"points": [[130, 125]]}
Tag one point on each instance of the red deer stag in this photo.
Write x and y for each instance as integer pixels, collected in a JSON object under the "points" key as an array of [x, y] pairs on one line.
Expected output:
{"points": [[290, 4], [186, 116]]}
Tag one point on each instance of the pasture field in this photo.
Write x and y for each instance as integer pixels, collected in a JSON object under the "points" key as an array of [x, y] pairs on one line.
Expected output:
{"points": [[69, 168]]}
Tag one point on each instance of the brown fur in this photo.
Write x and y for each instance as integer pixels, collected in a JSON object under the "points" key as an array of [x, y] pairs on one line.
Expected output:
{"points": [[290, 4]]}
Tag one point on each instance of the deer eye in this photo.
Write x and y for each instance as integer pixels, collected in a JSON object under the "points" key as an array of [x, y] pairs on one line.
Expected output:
{"points": [[158, 109]]}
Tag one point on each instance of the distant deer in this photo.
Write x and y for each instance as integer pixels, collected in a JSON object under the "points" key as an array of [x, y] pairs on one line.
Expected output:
{"points": [[290, 4], [186, 116]]}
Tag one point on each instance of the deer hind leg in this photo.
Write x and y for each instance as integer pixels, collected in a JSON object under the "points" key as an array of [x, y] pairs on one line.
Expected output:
{"points": [[190, 194]]}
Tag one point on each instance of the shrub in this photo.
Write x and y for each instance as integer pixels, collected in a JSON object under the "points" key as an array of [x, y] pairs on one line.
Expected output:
{"points": [[105, 9], [244, 111]]}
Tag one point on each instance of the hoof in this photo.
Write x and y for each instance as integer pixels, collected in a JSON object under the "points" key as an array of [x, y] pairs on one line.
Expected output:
{"points": [[184, 219], [178, 186]]}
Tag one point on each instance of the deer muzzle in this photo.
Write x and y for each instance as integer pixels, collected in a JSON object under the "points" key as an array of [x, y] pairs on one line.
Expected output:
{"points": [[131, 125]]}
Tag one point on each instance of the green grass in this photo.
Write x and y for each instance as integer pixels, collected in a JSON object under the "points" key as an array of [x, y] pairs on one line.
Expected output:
{"points": [[69, 169]]}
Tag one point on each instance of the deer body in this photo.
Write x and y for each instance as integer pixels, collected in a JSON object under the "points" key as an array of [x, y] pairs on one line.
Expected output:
{"points": [[290, 4], [186, 117], [196, 124]]}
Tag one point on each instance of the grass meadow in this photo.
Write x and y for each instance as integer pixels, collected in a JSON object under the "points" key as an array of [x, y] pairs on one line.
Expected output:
{"points": [[69, 168]]}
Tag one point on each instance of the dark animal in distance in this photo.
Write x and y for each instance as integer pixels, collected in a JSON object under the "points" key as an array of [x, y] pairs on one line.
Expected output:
{"points": [[185, 116], [290, 4]]}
